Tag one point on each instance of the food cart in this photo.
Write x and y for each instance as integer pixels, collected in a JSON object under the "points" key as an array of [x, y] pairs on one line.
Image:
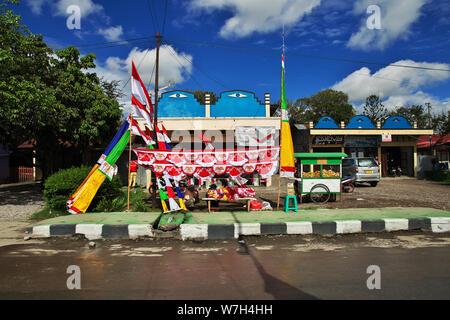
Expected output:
{"points": [[319, 175]]}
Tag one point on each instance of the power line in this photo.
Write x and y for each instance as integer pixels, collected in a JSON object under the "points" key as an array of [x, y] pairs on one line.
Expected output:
{"points": [[181, 65], [112, 42], [199, 69], [152, 17], [271, 51], [140, 62], [121, 45], [165, 16]]}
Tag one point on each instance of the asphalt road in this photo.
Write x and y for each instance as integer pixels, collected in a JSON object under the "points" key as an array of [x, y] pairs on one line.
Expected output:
{"points": [[413, 265]]}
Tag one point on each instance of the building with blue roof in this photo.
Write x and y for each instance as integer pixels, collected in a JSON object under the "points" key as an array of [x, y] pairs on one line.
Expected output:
{"points": [[393, 141]]}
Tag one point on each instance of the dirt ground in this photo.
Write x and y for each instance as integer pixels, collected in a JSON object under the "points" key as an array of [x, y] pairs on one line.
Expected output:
{"points": [[17, 203], [390, 192]]}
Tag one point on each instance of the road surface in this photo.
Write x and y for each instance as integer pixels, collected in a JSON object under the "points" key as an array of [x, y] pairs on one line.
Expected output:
{"points": [[412, 265]]}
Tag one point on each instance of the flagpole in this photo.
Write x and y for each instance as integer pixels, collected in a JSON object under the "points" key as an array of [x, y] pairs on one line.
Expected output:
{"points": [[155, 118], [281, 123], [279, 166], [129, 170]]}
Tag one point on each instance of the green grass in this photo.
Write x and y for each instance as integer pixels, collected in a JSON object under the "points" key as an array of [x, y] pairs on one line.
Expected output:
{"points": [[47, 213], [138, 203]]}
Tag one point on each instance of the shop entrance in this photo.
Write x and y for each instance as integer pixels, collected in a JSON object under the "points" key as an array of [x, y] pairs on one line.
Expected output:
{"points": [[397, 156]]}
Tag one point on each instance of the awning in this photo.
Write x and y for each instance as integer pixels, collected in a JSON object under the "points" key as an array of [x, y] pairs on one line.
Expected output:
{"points": [[437, 139]]}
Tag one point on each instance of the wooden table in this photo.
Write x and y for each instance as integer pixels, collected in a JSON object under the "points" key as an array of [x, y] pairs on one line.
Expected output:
{"points": [[240, 199]]}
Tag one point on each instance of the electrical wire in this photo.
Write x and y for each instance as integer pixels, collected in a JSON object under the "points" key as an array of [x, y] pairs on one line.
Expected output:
{"points": [[171, 51], [271, 51], [165, 16], [199, 69], [151, 15], [140, 62], [112, 42]]}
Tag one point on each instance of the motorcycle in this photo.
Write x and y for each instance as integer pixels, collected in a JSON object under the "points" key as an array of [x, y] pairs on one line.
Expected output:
{"points": [[392, 172], [398, 171], [348, 184]]}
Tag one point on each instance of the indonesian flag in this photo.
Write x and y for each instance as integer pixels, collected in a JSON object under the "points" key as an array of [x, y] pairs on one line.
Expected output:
{"points": [[138, 132], [172, 203], [166, 138], [149, 133], [208, 143], [161, 140], [287, 166], [140, 99], [163, 196]]}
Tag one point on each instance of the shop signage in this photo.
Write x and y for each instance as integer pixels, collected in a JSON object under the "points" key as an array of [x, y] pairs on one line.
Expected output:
{"points": [[321, 140], [386, 138], [361, 141]]}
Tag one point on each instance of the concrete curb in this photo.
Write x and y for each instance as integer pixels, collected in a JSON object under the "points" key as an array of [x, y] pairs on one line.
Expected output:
{"points": [[232, 231]]}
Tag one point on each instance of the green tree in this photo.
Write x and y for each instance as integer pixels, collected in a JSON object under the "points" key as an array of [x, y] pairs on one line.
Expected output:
{"points": [[412, 113], [48, 97], [441, 123], [374, 109], [200, 96], [328, 102]]}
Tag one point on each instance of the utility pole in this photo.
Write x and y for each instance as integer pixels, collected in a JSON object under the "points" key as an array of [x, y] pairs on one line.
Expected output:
{"points": [[155, 122]]}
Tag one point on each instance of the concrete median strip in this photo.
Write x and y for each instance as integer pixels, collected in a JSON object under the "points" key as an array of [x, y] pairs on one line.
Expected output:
{"points": [[233, 231]]}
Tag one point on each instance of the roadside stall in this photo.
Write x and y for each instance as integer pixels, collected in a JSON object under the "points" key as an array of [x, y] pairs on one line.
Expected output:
{"points": [[319, 175], [173, 166]]}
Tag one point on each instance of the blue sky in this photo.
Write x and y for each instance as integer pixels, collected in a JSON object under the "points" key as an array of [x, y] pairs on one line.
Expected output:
{"points": [[220, 45]]}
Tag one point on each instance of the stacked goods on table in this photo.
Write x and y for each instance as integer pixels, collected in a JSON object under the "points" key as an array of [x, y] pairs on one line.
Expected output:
{"points": [[330, 174], [325, 174], [227, 193], [312, 174]]}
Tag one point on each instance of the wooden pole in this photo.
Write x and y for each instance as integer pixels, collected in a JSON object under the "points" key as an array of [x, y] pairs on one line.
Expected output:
{"points": [[155, 122]]}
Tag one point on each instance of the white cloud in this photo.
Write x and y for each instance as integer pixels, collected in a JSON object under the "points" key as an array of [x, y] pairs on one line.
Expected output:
{"points": [[419, 98], [396, 85], [396, 19], [36, 6], [87, 7], [111, 33], [174, 67], [256, 16]]}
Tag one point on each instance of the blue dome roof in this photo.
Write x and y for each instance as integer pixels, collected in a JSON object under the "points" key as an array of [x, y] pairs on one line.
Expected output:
{"points": [[326, 123], [360, 122], [396, 122]]}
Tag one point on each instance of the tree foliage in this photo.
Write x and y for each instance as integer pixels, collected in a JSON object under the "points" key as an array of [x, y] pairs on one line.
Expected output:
{"points": [[48, 97], [201, 96], [374, 109], [441, 123], [328, 102], [412, 113]]}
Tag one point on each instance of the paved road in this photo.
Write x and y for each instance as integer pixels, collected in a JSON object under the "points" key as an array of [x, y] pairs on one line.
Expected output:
{"points": [[413, 266]]}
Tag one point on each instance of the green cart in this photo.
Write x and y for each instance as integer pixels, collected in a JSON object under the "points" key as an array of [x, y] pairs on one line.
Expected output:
{"points": [[320, 175]]}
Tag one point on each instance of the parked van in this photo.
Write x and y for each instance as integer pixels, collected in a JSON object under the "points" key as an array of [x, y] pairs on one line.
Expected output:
{"points": [[367, 170]]}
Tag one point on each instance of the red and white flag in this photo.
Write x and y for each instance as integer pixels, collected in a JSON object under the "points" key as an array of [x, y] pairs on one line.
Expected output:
{"points": [[166, 137], [208, 143], [140, 99], [172, 203], [138, 132], [161, 140]]}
